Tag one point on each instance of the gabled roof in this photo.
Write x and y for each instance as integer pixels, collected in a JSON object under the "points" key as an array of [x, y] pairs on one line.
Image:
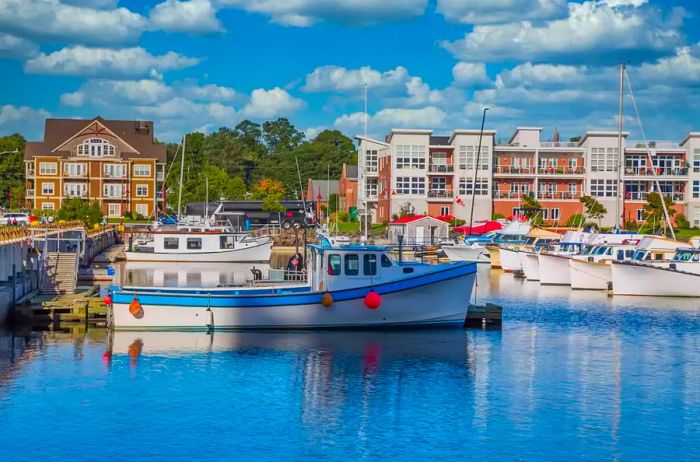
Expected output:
{"points": [[138, 135], [322, 188], [411, 219]]}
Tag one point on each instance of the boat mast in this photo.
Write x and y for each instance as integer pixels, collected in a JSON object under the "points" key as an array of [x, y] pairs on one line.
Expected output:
{"points": [[182, 173], [619, 211], [364, 172], [476, 170], [206, 201]]}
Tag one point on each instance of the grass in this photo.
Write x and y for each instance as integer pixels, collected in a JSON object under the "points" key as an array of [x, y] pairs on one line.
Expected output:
{"points": [[116, 221], [687, 233], [354, 227]]}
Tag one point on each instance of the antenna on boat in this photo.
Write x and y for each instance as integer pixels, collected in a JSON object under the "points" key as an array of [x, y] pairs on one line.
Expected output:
{"points": [[206, 201], [620, 155], [182, 173], [651, 161]]}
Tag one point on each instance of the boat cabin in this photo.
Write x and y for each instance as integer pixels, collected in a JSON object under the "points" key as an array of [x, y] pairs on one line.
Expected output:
{"points": [[687, 255], [192, 241]]}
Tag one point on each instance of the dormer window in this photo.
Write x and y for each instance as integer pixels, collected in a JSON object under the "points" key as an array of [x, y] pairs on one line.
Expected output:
{"points": [[96, 147]]}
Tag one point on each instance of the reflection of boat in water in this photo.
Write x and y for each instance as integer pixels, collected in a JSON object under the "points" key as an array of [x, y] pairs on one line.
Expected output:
{"points": [[348, 287], [435, 344], [210, 274]]}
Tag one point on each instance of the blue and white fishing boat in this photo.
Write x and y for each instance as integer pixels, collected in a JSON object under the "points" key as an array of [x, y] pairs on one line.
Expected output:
{"points": [[348, 287]]}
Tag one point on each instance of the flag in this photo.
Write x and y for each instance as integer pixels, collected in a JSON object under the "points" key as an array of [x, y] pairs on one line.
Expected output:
{"points": [[319, 197]]}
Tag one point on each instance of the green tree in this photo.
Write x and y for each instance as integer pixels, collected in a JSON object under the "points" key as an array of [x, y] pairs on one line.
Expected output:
{"points": [[532, 209], [75, 208], [682, 222], [576, 220], [270, 191], [654, 211], [594, 209], [281, 136], [12, 170]]}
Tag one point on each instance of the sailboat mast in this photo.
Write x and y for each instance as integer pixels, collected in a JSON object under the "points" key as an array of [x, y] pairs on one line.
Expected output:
{"points": [[364, 171], [619, 211], [182, 174]]}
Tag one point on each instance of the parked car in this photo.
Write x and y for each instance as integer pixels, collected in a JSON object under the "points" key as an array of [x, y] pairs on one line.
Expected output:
{"points": [[20, 219]]}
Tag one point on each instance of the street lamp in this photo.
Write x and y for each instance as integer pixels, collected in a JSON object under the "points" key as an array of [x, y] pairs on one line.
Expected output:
{"points": [[476, 169]]}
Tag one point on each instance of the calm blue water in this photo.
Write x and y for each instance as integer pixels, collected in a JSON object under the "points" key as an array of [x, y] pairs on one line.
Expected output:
{"points": [[571, 375]]}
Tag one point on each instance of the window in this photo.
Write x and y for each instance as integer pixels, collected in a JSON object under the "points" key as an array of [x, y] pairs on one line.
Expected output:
{"points": [[114, 170], [369, 264], [371, 159], [572, 163], [604, 188], [142, 170], [467, 157], [227, 242], [171, 243], [410, 185], [194, 243], [482, 186], [696, 160], [142, 209], [410, 156], [74, 169], [47, 206], [604, 160], [334, 264], [545, 214], [47, 189], [75, 189], [95, 147], [112, 190], [554, 214], [352, 265], [47, 168], [696, 189], [141, 190], [640, 214], [114, 210], [445, 210], [572, 188], [371, 187], [386, 261]]}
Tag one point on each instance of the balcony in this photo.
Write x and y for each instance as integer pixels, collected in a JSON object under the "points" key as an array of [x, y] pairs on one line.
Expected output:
{"points": [[114, 176], [440, 194], [510, 195], [82, 194], [639, 144], [561, 170], [559, 144], [642, 196], [441, 168], [30, 193], [659, 171], [30, 173], [510, 170], [559, 195], [68, 174]]}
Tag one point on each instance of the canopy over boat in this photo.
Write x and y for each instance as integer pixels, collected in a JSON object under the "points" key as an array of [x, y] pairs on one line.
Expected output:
{"points": [[540, 233], [479, 228]]}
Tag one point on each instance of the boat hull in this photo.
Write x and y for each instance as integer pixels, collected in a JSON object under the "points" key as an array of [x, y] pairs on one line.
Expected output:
{"points": [[554, 270], [589, 275], [466, 253], [656, 281], [531, 266], [251, 254], [494, 256], [510, 260], [405, 302]]}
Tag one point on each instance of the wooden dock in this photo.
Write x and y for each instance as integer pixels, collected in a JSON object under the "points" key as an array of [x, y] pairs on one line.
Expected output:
{"points": [[488, 316], [84, 307]]}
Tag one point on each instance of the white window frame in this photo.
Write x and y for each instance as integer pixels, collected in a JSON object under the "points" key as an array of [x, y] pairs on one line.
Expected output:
{"points": [[140, 168], [48, 168], [110, 190], [143, 192], [371, 160], [640, 214], [79, 169], [74, 189], [111, 213], [48, 206], [44, 190], [554, 213], [445, 210], [114, 170], [482, 187], [142, 209], [467, 157], [95, 147]]}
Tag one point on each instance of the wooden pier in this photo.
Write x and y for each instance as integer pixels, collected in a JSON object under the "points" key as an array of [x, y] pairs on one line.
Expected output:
{"points": [[488, 316]]}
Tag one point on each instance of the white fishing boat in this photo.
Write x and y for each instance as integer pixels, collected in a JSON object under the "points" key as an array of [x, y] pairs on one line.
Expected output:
{"points": [[537, 238], [531, 266], [476, 248], [553, 267], [590, 270], [348, 287], [475, 251], [185, 244], [679, 277]]}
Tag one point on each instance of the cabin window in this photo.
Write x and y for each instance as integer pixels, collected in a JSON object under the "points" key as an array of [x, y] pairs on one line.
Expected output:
{"points": [[620, 254], [334, 264], [696, 257], [227, 242], [629, 253], [171, 243], [386, 261], [370, 264], [352, 265], [658, 256], [194, 243]]}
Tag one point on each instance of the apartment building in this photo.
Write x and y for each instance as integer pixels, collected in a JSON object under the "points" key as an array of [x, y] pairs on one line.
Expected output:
{"points": [[115, 162], [417, 171]]}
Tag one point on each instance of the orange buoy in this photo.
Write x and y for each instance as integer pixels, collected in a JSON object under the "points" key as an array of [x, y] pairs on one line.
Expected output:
{"points": [[136, 309], [373, 300], [327, 300]]}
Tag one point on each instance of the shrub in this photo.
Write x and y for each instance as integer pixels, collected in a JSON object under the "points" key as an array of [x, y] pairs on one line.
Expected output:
{"points": [[343, 217], [575, 220], [682, 222], [631, 225], [497, 216]]}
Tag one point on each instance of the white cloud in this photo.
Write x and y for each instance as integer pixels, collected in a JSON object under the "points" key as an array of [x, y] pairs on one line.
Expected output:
{"points": [[97, 4], [684, 67], [303, 13], [542, 74], [271, 103], [312, 132], [470, 73], [186, 16], [22, 119], [420, 93], [591, 26], [341, 79], [16, 47], [385, 119], [179, 107], [208, 92], [53, 21], [497, 11], [106, 62]]}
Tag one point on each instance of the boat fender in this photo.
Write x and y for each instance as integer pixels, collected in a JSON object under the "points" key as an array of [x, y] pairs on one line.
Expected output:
{"points": [[107, 300], [327, 300], [373, 300], [136, 309], [320, 286]]}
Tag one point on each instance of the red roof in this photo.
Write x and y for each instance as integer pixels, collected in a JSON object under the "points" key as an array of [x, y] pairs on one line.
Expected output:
{"points": [[446, 218], [408, 219], [481, 228]]}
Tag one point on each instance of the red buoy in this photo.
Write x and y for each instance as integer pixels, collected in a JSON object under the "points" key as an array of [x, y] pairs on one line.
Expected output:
{"points": [[107, 300], [373, 300]]}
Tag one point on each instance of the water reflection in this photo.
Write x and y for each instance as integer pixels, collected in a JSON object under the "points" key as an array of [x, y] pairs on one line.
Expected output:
{"points": [[149, 274]]}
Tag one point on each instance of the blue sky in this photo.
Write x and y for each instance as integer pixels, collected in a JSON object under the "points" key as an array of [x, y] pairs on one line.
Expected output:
{"points": [[203, 64]]}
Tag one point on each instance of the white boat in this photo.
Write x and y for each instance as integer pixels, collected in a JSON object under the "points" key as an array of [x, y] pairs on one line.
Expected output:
{"points": [[537, 238], [531, 266], [590, 270], [554, 266], [510, 259], [677, 278], [348, 287], [200, 245], [473, 252]]}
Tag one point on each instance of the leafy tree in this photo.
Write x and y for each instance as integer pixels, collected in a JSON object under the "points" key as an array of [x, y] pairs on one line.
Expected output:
{"points": [[12, 170], [281, 136], [682, 222], [75, 208], [594, 209], [532, 209], [576, 220], [654, 211], [270, 191]]}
